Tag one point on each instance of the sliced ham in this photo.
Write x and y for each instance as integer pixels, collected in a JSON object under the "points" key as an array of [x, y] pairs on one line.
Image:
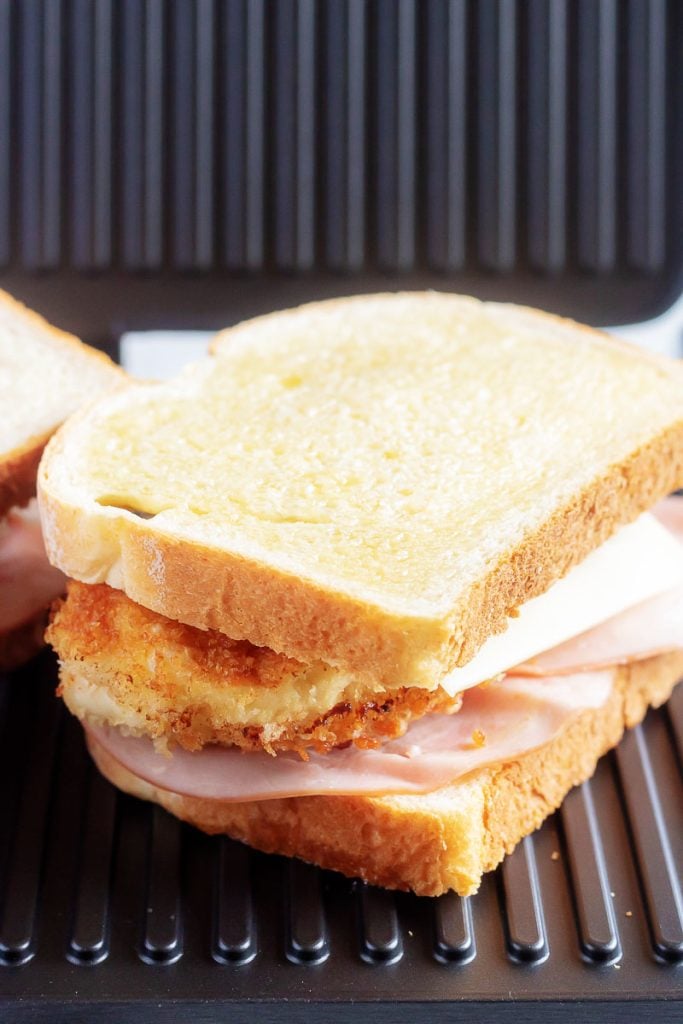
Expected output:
{"points": [[496, 723], [670, 514], [648, 629], [639, 562], [28, 583], [651, 627]]}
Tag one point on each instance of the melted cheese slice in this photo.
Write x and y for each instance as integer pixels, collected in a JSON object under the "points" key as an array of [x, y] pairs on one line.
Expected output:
{"points": [[496, 723], [649, 628], [640, 561]]}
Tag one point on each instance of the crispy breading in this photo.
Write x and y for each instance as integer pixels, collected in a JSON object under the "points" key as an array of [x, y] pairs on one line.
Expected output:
{"points": [[128, 666]]}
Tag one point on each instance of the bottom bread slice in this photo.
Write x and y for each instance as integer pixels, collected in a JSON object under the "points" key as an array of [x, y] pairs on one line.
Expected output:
{"points": [[438, 841]]}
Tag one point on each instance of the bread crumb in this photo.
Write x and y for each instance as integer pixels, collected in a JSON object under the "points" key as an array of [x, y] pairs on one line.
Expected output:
{"points": [[555, 855], [410, 933], [617, 967], [629, 913], [479, 738]]}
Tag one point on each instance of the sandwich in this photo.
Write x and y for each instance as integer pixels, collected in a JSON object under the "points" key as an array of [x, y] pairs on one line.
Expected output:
{"points": [[45, 375], [376, 583]]}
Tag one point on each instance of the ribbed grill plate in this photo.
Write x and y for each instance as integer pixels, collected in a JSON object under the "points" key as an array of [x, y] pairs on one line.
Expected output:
{"points": [[484, 146], [107, 900]]}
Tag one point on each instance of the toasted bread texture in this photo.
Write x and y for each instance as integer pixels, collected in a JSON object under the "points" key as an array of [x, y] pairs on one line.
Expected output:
{"points": [[45, 375], [447, 839], [375, 482], [123, 665]]}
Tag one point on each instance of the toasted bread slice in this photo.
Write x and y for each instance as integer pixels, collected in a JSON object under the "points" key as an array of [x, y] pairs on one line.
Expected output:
{"points": [[375, 482], [439, 841], [45, 375]]}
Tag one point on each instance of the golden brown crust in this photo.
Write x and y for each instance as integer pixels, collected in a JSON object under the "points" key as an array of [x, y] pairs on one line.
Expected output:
{"points": [[180, 674], [20, 644], [96, 621], [365, 723], [444, 840]]}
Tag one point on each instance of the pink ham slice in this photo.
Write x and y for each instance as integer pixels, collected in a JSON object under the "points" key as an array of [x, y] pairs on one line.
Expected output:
{"points": [[670, 514], [648, 629], [496, 723], [28, 583], [654, 626]]}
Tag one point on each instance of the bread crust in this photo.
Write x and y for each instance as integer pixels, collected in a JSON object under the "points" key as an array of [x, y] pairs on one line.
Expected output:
{"points": [[440, 841]]}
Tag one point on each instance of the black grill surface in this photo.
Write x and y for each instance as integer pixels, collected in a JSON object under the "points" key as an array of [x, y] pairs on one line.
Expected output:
{"points": [[220, 147], [112, 910], [192, 163]]}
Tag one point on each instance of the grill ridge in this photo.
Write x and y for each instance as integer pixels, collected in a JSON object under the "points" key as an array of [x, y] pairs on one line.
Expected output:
{"points": [[19, 899], [89, 940], [162, 929], [656, 867], [453, 929], [381, 941], [306, 927], [598, 932], [438, 123], [234, 927], [526, 936]]}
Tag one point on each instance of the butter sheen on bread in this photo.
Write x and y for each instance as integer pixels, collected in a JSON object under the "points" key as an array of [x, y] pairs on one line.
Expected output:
{"points": [[376, 482]]}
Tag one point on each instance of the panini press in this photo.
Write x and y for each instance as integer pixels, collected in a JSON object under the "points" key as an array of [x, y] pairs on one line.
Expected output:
{"points": [[189, 163]]}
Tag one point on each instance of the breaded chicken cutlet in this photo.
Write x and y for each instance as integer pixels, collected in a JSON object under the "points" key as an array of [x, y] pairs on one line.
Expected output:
{"points": [[175, 683]]}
